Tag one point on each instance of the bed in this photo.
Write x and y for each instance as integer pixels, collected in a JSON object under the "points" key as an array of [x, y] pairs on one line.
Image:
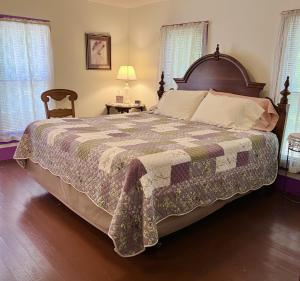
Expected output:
{"points": [[140, 176]]}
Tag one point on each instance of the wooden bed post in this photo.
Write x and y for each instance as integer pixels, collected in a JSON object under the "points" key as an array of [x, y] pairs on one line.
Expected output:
{"points": [[161, 89], [282, 111]]}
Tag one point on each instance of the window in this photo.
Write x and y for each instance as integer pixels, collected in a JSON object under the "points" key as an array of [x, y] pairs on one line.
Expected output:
{"points": [[25, 72], [288, 64], [181, 45]]}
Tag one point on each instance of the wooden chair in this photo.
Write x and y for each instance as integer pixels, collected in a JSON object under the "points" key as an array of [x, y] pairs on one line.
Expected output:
{"points": [[58, 95]]}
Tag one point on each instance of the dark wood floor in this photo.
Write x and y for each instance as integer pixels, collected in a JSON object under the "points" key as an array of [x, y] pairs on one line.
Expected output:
{"points": [[256, 238]]}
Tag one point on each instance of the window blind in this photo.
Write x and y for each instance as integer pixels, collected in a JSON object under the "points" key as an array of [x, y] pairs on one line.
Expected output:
{"points": [[289, 65], [25, 72], [290, 61], [181, 45]]}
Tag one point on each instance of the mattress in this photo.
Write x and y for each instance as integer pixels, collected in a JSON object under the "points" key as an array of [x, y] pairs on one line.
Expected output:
{"points": [[142, 168]]}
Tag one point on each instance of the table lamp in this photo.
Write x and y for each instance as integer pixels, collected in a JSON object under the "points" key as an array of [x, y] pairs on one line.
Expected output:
{"points": [[126, 73]]}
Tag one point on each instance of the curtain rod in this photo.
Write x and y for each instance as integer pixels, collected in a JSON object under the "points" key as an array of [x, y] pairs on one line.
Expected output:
{"points": [[183, 23], [290, 11], [8, 17]]}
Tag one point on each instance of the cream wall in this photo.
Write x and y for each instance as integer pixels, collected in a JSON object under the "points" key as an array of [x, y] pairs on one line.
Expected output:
{"points": [[70, 19], [246, 30]]}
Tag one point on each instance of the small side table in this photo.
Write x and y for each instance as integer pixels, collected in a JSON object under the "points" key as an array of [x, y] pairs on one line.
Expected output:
{"points": [[293, 145], [124, 107]]}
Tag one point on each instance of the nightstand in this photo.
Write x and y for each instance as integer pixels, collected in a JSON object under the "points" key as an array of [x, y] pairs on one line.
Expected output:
{"points": [[293, 146], [124, 107]]}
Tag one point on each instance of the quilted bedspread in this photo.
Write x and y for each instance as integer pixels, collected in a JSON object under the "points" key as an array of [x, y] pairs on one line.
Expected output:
{"points": [[142, 168]]}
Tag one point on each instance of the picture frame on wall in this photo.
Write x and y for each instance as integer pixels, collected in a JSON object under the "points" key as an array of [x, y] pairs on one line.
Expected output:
{"points": [[98, 51]]}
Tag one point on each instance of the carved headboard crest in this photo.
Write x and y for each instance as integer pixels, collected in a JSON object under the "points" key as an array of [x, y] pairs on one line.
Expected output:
{"points": [[220, 72]]}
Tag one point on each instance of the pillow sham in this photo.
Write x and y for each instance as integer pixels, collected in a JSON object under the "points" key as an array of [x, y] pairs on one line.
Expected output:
{"points": [[228, 112], [268, 119], [180, 104]]}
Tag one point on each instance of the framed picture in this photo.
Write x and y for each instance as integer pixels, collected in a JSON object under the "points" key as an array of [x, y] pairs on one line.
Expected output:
{"points": [[98, 51]]}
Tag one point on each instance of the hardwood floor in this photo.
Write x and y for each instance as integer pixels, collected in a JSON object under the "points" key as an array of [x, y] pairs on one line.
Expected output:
{"points": [[256, 238]]}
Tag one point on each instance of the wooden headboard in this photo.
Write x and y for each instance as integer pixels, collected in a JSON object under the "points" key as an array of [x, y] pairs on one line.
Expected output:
{"points": [[224, 73]]}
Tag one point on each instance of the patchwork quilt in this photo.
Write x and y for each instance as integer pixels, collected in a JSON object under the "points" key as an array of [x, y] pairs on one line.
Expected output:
{"points": [[142, 167]]}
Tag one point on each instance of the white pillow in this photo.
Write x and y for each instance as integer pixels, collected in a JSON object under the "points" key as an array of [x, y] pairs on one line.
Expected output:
{"points": [[180, 104], [228, 112]]}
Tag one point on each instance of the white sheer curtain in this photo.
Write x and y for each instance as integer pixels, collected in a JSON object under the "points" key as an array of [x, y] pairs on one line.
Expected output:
{"points": [[26, 71], [287, 63], [181, 45]]}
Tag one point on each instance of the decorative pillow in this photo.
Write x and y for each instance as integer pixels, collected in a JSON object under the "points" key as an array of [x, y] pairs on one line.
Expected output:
{"points": [[268, 119], [180, 104], [228, 112]]}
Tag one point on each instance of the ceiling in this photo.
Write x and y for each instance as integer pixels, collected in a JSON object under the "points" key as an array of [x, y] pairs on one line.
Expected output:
{"points": [[126, 3]]}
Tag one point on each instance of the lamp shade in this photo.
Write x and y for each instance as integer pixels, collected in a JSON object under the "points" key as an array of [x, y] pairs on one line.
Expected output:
{"points": [[126, 72]]}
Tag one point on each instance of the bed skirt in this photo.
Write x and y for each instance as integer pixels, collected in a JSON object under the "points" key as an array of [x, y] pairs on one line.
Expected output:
{"points": [[80, 204]]}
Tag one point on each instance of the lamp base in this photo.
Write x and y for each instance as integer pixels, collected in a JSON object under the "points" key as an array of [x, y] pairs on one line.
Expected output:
{"points": [[127, 99]]}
